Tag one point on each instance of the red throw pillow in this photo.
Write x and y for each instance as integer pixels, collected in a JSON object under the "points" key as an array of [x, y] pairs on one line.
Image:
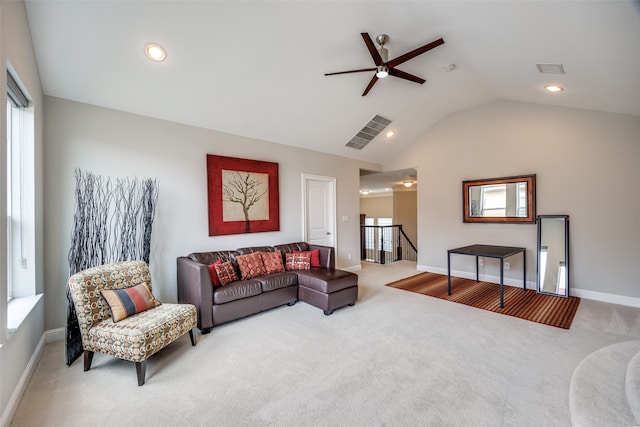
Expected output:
{"points": [[251, 265], [314, 255], [214, 276], [297, 261], [272, 261], [226, 273]]}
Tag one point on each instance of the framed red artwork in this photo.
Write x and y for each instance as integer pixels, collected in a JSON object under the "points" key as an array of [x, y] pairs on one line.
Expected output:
{"points": [[242, 195]]}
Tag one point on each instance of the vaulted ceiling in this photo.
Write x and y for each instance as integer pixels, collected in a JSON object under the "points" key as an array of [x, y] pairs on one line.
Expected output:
{"points": [[257, 68]]}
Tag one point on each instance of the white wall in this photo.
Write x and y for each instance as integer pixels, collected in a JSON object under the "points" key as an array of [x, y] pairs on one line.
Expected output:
{"points": [[16, 351], [119, 145], [587, 167]]}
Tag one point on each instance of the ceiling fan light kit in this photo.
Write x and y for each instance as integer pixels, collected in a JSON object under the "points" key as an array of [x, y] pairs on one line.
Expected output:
{"points": [[385, 67]]}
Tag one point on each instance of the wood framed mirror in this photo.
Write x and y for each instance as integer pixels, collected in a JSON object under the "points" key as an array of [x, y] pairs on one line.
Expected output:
{"points": [[500, 200], [553, 255]]}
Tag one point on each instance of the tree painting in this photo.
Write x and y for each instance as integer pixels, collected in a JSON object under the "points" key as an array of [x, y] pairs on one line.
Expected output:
{"points": [[245, 197]]}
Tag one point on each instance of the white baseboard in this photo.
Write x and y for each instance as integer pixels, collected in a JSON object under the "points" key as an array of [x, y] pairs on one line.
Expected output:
{"points": [[352, 267], [18, 391], [53, 335], [581, 293], [605, 297]]}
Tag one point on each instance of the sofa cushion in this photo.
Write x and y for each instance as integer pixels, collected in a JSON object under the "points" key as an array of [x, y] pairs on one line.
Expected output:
{"points": [[274, 281], [137, 337], [128, 301], [272, 262], [297, 261], [290, 247], [226, 273], [327, 280], [251, 265], [237, 290], [211, 257]]}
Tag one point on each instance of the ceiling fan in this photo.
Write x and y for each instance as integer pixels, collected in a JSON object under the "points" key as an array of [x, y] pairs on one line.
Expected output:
{"points": [[384, 67]]}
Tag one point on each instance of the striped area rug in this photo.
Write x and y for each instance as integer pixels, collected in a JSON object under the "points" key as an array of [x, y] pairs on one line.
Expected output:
{"points": [[528, 305]]}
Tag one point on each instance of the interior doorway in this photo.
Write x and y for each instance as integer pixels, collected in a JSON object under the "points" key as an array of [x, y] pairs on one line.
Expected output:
{"points": [[389, 214]]}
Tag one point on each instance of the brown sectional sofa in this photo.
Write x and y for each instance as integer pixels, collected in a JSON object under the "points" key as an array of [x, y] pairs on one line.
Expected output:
{"points": [[324, 287]]}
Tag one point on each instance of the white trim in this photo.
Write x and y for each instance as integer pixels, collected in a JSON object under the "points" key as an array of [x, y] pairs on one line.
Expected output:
{"points": [[605, 297], [580, 293], [331, 180], [20, 388], [352, 267], [18, 309], [54, 335]]}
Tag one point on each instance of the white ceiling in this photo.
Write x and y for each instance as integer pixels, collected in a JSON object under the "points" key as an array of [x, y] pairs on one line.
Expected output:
{"points": [[256, 68]]}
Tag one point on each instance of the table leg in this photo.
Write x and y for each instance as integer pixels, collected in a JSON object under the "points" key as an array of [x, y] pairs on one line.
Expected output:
{"points": [[501, 282], [448, 273], [524, 269], [477, 270]]}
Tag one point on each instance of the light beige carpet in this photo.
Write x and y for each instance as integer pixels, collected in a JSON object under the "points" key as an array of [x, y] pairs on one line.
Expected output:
{"points": [[394, 359]]}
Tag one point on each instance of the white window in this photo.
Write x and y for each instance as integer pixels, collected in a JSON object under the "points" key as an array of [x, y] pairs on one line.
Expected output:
{"points": [[20, 193]]}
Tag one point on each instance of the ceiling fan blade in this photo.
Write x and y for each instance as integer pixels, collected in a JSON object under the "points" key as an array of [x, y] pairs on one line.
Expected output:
{"points": [[398, 73], [370, 85], [410, 55], [351, 71], [377, 59]]}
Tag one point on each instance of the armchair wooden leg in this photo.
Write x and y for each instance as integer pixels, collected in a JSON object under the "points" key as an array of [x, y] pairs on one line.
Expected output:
{"points": [[141, 370], [192, 336], [88, 358]]}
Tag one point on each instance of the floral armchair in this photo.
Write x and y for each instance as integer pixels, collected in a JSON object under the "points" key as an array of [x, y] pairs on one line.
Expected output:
{"points": [[119, 316]]}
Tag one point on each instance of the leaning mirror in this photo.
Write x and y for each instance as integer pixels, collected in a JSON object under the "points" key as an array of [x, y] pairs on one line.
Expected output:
{"points": [[500, 200], [553, 255]]}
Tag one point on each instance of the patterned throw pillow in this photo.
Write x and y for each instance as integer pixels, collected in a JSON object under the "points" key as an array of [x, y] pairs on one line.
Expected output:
{"points": [[214, 276], [315, 256], [128, 301], [226, 273], [298, 261], [272, 261], [250, 265]]}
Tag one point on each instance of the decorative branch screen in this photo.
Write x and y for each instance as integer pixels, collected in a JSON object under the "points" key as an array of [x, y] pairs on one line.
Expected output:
{"points": [[112, 222]]}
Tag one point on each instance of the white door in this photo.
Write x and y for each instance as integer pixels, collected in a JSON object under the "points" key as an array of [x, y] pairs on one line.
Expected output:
{"points": [[319, 210]]}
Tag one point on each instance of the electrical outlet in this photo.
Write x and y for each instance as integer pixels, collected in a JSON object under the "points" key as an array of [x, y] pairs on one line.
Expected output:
{"points": [[507, 266], [23, 263], [348, 256], [480, 261]]}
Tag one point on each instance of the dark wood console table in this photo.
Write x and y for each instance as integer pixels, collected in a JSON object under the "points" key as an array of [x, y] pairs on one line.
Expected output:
{"points": [[489, 251]]}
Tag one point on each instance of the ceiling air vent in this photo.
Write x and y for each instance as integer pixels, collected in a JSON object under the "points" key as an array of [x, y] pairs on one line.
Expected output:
{"points": [[367, 133], [550, 68]]}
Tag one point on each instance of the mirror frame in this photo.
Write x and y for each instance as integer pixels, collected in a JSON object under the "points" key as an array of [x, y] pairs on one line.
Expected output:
{"points": [[566, 254], [531, 200]]}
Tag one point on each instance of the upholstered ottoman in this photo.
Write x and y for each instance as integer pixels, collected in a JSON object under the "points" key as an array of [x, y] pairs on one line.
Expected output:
{"points": [[327, 289]]}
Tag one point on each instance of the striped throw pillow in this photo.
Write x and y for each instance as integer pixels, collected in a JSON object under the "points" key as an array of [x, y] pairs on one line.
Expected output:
{"points": [[129, 301]]}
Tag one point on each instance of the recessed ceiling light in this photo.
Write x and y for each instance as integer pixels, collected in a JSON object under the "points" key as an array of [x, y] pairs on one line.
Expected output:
{"points": [[554, 88], [407, 183], [390, 133], [155, 52], [365, 192]]}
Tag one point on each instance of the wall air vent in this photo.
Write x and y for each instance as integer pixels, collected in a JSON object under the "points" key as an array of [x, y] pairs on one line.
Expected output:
{"points": [[550, 68], [367, 133]]}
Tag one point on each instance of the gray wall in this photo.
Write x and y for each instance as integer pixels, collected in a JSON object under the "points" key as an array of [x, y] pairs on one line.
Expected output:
{"points": [[120, 145], [587, 167], [16, 351]]}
